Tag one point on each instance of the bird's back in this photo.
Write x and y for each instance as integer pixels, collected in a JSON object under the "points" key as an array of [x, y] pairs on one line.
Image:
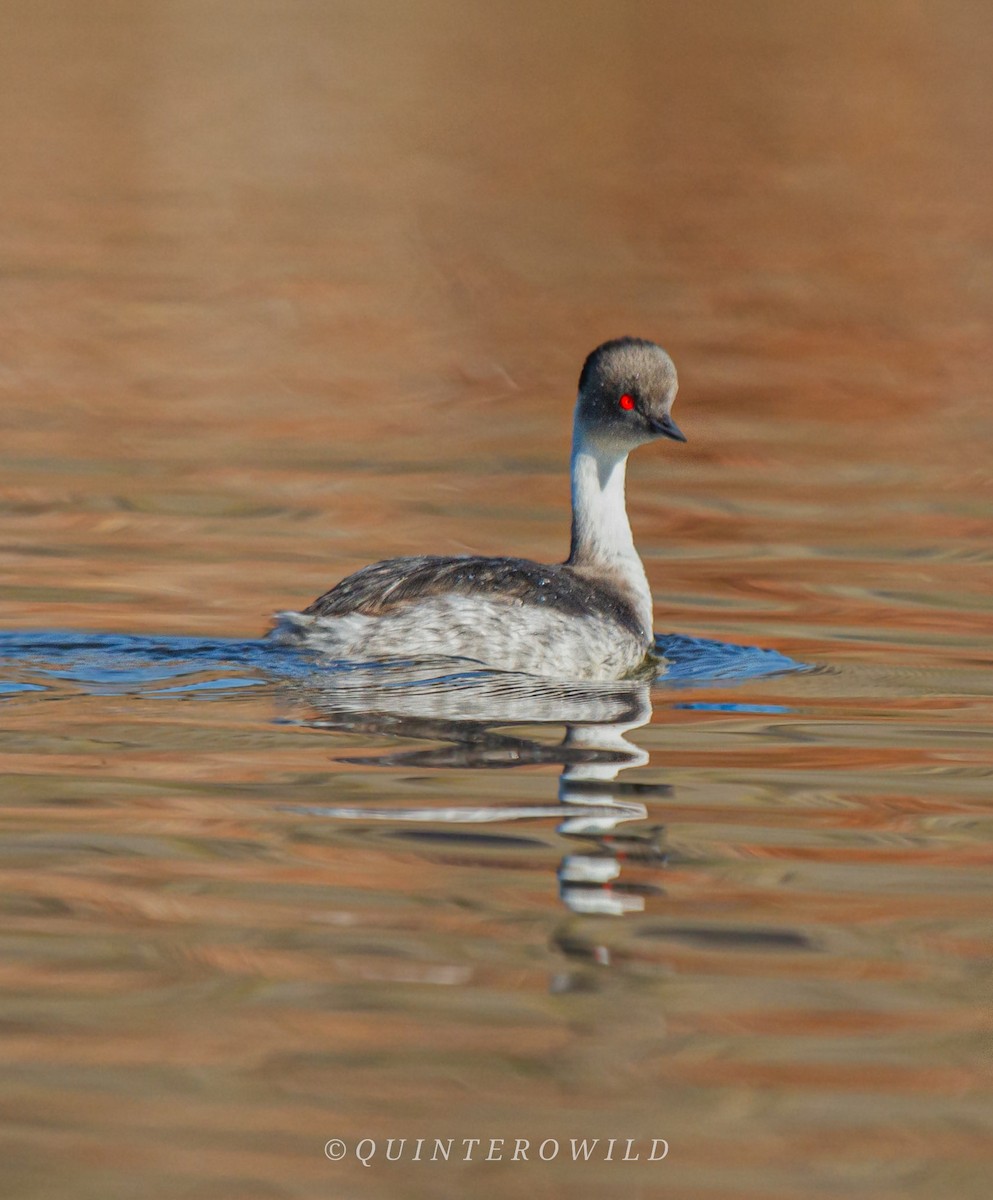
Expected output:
{"points": [[397, 583]]}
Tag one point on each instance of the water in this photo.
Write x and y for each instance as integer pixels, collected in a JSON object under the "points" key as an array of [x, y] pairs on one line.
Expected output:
{"points": [[287, 289]]}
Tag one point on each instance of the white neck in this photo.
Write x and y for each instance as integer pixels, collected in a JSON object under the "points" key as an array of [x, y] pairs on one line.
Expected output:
{"points": [[601, 533]]}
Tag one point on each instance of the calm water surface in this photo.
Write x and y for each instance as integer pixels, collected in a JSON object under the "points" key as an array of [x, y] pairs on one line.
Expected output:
{"points": [[285, 289]]}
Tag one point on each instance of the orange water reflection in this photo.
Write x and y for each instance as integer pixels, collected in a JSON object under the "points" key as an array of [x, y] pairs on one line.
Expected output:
{"points": [[287, 288]]}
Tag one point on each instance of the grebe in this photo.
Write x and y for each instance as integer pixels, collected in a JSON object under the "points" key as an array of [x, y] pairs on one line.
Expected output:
{"points": [[587, 618]]}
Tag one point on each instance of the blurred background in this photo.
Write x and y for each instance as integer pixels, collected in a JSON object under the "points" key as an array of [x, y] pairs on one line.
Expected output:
{"points": [[286, 287], [289, 287]]}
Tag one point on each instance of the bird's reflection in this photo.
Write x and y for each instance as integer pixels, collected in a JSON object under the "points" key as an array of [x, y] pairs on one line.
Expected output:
{"points": [[468, 716]]}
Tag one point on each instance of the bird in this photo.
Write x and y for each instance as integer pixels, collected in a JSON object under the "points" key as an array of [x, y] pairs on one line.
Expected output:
{"points": [[588, 618]]}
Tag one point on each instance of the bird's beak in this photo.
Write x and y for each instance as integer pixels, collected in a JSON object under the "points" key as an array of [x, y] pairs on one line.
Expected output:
{"points": [[667, 427]]}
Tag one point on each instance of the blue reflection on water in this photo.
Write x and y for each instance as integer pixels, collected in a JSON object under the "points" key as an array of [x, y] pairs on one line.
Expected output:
{"points": [[696, 660], [115, 664]]}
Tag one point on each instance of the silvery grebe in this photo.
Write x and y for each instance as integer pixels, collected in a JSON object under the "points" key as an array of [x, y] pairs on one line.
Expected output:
{"points": [[587, 618]]}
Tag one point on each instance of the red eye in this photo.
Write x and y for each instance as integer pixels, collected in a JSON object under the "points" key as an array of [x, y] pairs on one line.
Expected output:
{"points": [[626, 402]]}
